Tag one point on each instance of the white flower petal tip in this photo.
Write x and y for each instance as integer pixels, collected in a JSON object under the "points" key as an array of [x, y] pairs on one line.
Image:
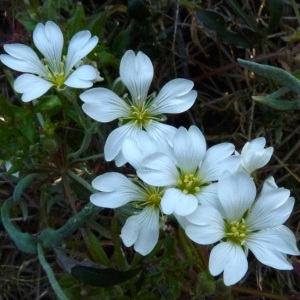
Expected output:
{"points": [[175, 97], [24, 84], [254, 155], [52, 69], [115, 190], [83, 77]]}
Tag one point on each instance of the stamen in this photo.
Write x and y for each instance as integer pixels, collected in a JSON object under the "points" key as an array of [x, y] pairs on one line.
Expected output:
{"points": [[236, 232], [189, 183]]}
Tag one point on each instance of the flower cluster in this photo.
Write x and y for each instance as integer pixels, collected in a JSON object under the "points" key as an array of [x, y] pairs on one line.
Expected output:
{"points": [[210, 191]]}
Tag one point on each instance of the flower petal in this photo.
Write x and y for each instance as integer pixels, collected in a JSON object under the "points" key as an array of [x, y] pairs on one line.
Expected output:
{"points": [[207, 225], [120, 159], [230, 258], [208, 195], [23, 59], [142, 230], [175, 97], [115, 190], [175, 201], [114, 142], [136, 72], [271, 209], [269, 184], [194, 141], [31, 86], [266, 252], [136, 149], [236, 193], [80, 45], [254, 156], [182, 220], [82, 77], [217, 160], [103, 105], [162, 133], [279, 238], [49, 40], [159, 170]]}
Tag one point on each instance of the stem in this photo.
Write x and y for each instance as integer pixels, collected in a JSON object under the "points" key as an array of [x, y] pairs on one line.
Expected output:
{"points": [[96, 156], [81, 181], [189, 250], [67, 94], [85, 142], [118, 254], [57, 289], [39, 115], [50, 237], [71, 201]]}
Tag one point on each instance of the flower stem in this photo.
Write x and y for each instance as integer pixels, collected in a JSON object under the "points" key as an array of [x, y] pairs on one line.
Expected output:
{"points": [[57, 289], [39, 116], [81, 181]]}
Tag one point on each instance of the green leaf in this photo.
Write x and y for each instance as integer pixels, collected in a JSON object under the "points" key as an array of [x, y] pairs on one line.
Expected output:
{"points": [[106, 59], [278, 75], [28, 24], [138, 10], [97, 22], [241, 14], [22, 185], [121, 41], [96, 250], [276, 9], [49, 10], [23, 240], [77, 21], [245, 37], [211, 20], [285, 105], [102, 277], [50, 103]]}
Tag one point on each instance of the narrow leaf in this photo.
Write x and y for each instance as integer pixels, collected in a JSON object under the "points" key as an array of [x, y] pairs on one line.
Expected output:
{"points": [[278, 75], [102, 277], [21, 186], [285, 105], [23, 240]]}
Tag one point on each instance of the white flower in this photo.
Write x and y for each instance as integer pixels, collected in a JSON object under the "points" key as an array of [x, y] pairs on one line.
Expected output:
{"points": [[53, 69], [254, 155], [141, 229], [188, 171], [140, 111], [245, 223]]}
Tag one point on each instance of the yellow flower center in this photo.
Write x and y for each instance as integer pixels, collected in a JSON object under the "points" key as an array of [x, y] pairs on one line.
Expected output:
{"points": [[55, 72], [140, 114], [190, 183], [236, 232], [152, 196]]}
